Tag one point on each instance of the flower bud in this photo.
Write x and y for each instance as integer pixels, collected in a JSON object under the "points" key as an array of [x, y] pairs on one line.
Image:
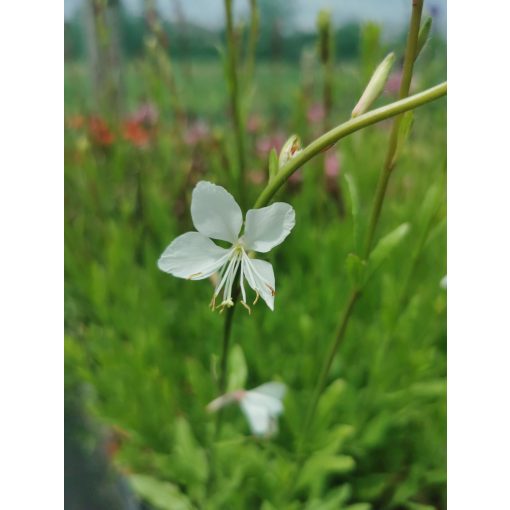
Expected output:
{"points": [[290, 148], [325, 35], [375, 86]]}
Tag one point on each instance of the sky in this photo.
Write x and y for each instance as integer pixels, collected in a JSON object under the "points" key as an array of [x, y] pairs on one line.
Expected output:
{"points": [[393, 14]]}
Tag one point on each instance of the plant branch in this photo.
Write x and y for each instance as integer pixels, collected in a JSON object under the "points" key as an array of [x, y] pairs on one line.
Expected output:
{"points": [[352, 125], [405, 84]]}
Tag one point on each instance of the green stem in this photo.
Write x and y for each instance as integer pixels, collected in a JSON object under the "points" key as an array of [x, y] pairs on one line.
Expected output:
{"points": [[352, 125], [234, 100], [222, 381], [227, 330], [323, 377], [252, 42], [405, 84]]}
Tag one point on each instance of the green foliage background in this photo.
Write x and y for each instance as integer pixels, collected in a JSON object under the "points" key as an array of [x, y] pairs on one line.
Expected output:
{"points": [[142, 347]]}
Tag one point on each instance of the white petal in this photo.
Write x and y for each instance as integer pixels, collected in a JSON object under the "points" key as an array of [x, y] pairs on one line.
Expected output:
{"points": [[258, 416], [260, 277], [215, 212], [273, 389], [273, 405], [193, 256], [267, 227]]}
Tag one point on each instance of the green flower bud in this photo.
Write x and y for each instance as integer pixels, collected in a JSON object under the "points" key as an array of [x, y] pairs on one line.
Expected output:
{"points": [[375, 86], [325, 35], [290, 148]]}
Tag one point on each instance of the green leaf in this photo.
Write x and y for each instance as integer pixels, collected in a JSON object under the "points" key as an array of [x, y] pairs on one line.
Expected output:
{"points": [[359, 506], [329, 399], [273, 163], [237, 369], [161, 495], [334, 500], [355, 209], [320, 465], [386, 246], [189, 458]]}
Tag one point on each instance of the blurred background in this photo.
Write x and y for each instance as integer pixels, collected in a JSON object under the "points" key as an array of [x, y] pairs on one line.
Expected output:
{"points": [[147, 115]]}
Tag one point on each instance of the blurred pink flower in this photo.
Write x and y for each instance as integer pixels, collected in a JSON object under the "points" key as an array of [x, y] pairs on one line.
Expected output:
{"points": [[266, 143], [257, 176], [147, 114], [296, 179], [316, 113], [254, 123], [393, 83], [332, 164], [196, 132]]}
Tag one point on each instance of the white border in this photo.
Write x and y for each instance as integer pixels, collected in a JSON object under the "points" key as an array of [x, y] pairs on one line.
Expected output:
{"points": [[478, 255], [31, 255]]}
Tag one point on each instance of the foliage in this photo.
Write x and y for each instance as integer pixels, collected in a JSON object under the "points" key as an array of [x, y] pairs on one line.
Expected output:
{"points": [[146, 345]]}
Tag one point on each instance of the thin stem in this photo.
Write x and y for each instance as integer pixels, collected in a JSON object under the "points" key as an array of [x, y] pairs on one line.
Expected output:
{"points": [[323, 377], [227, 330], [252, 42], [222, 381], [352, 125], [234, 99], [389, 164]]}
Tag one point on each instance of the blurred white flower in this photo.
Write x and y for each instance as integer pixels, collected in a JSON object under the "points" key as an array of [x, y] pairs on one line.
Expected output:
{"points": [[216, 215], [442, 283], [261, 406]]}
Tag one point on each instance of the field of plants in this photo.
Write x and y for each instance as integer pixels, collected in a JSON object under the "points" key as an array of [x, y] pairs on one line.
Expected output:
{"points": [[355, 348]]}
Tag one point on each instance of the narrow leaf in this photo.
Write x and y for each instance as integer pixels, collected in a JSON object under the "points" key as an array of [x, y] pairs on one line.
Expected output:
{"points": [[386, 246], [273, 163], [355, 209]]}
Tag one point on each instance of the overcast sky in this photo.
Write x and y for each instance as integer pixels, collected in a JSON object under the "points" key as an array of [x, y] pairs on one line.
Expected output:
{"points": [[394, 14]]}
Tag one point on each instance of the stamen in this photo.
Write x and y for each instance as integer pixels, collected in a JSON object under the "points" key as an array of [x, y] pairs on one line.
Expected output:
{"points": [[194, 275], [224, 278], [227, 294], [246, 306], [212, 304], [256, 298]]}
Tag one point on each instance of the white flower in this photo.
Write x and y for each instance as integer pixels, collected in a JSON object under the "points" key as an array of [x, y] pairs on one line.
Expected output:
{"points": [[216, 215], [442, 283], [261, 406]]}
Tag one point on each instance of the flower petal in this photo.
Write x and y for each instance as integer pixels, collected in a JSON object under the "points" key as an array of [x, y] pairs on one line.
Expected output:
{"points": [[269, 226], [258, 416], [193, 256], [215, 212], [273, 389], [260, 277], [273, 403]]}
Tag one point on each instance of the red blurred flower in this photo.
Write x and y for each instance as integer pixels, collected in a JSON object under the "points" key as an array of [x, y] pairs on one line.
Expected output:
{"points": [[135, 133], [99, 132]]}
